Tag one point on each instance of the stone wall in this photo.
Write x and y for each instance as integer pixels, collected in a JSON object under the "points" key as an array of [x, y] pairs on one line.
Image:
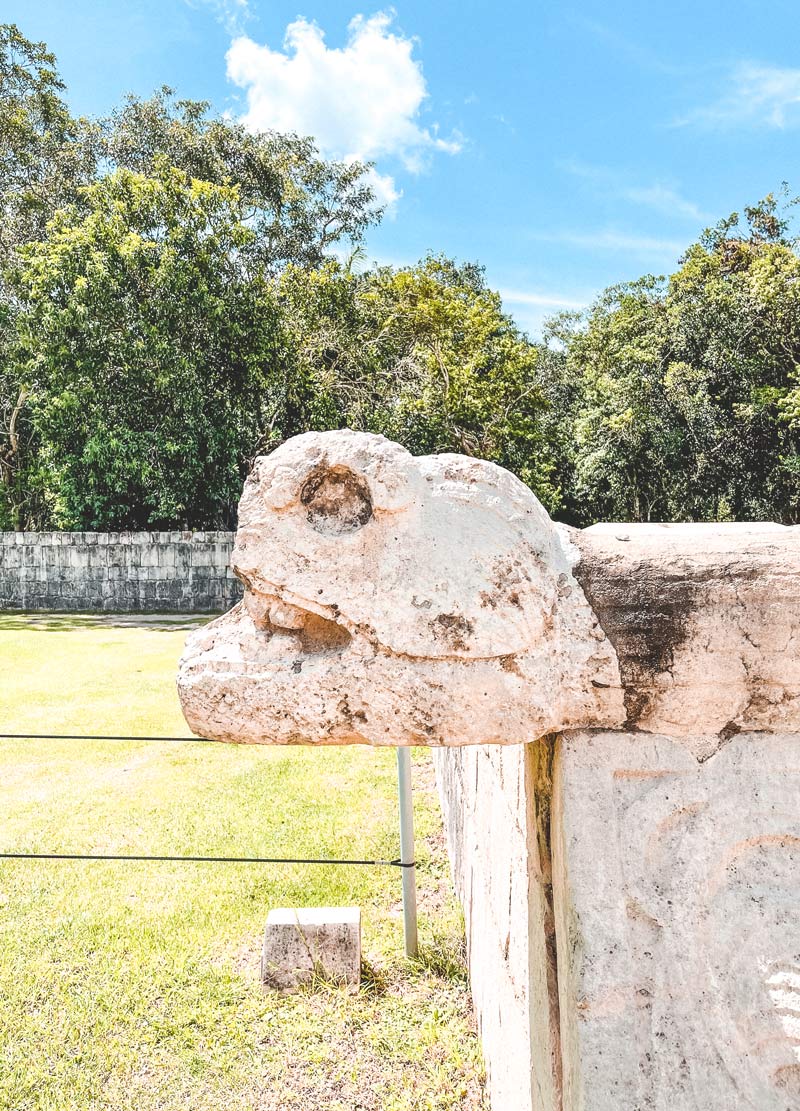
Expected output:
{"points": [[500, 861], [118, 572], [631, 918]]}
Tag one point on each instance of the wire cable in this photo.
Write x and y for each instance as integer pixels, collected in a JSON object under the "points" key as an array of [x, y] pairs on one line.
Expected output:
{"points": [[95, 737], [208, 859], [179, 859]]}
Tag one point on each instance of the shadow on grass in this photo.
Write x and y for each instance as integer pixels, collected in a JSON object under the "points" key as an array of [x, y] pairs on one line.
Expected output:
{"points": [[445, 955], [373, 979]]}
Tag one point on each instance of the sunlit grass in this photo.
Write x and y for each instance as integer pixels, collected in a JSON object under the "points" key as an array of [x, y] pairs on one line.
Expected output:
{"points": [[135, 985]]}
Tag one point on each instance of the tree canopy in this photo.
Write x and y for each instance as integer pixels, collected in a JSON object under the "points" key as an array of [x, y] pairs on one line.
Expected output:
{"points": [[42, 159], [174, 300], [685, 401], [145, 346], [423, 354], [298, 205]]}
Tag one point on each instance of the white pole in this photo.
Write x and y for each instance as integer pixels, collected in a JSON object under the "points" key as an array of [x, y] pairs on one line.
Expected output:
{"points": [[407, 852]]}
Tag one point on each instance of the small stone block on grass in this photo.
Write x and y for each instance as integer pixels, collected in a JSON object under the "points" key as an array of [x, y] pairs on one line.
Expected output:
{"points": [[311, 941]]}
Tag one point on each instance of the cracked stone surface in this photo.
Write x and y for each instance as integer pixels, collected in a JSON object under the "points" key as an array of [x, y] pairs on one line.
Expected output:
{"points": [[679, 944], [396, 600], [672, 885], [705, 621]]}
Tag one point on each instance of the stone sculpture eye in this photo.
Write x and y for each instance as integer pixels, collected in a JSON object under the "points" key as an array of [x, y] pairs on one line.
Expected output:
{"points": [[337, 500]]}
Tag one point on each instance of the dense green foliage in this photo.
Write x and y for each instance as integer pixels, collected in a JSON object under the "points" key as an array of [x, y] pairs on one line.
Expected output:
{"points": [[297, 205], [43, 159], [147, 345], [685, 401], [173, 302], [138, 328], [423, 354]]}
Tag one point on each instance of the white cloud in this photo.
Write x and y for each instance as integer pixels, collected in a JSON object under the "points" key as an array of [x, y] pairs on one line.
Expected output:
{"points": [[757, 95], [662, 198], [232, 14], [531, 310], [361, 101], [544, 300], [384, 188], [645, 58], [616, 241]]}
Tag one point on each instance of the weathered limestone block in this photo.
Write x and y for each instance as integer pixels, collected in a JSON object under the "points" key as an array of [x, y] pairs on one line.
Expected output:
{"points": [[705, 621], [300, 944], [677, 892], [495, 805], [396, 600]]}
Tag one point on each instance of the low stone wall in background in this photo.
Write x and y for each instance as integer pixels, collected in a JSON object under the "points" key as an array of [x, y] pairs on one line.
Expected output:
{"points": [[118, 572]]}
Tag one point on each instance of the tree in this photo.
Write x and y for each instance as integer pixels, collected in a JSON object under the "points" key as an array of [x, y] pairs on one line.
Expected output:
{"points": [[42, 165], [298, 205], [146, 344], [687, 407], [42, 161], [423, 354]]}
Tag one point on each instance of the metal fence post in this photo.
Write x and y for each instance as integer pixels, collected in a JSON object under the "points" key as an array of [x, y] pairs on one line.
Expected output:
{"points": [[407, 852]]}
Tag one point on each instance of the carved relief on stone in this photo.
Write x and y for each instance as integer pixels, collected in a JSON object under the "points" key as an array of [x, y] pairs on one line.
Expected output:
{"points": [[676, 890], [396, 600], [399, 600]]}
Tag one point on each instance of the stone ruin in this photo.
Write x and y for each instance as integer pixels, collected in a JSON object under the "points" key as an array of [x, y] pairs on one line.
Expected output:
{"points": [[616, 712]]}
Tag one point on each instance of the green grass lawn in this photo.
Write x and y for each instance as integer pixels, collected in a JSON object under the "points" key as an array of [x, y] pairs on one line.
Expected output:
{"points": [[136, 985]]}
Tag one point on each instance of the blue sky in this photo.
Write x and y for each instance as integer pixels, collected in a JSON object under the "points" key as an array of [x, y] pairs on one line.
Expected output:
{"points": [[565, 147]]}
